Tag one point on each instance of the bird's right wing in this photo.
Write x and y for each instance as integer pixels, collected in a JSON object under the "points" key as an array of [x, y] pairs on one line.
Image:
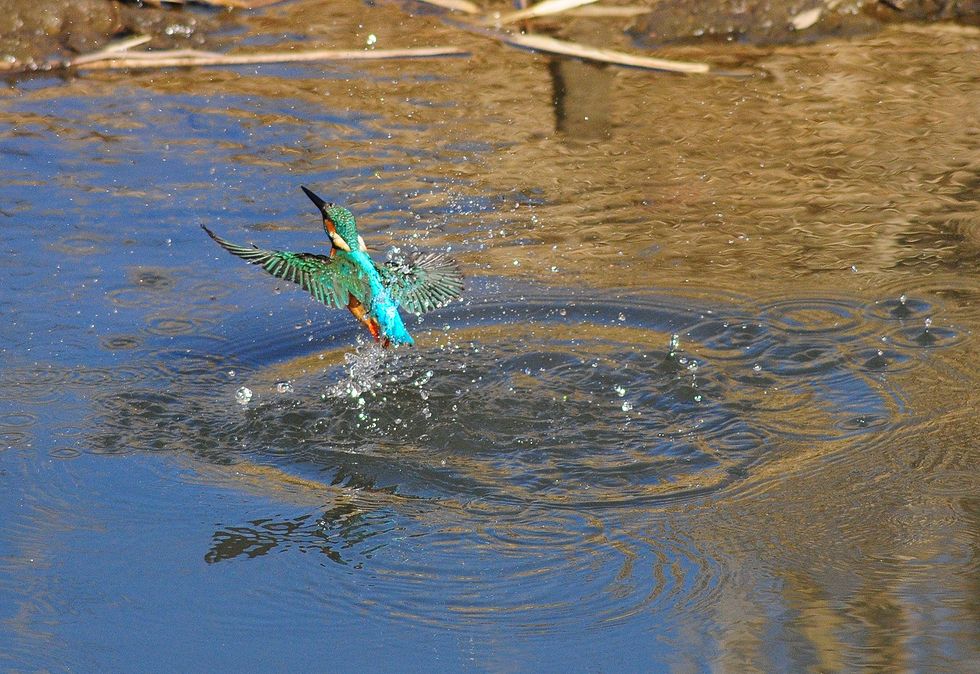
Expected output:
{"points": [[328, 279]]}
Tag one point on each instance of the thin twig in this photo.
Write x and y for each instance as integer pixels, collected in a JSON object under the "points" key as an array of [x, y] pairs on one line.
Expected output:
{"points": [[553, 46], [544, 8], [231, 4], [603, 11], [114, 50], [127, 43], [193, 57], [464, 6]]}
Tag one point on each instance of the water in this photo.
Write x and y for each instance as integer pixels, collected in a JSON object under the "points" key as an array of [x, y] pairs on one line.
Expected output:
{"points": [[733, 430]]}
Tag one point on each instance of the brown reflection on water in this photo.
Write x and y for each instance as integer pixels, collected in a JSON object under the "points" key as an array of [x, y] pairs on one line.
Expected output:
{"points": [[808, 172], [873, 554], [834, 161]]}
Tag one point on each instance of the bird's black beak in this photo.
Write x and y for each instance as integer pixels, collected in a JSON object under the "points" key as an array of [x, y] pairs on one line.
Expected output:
{"points": [[320, 203]]}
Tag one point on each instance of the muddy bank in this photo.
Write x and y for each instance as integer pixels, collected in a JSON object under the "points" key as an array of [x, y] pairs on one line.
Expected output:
{"points": [[39, 34], [45, 35], [787, 21]]}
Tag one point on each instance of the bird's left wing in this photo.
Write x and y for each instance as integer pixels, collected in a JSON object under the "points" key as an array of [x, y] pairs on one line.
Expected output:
{"points": [[319, 275], [422, 282]]}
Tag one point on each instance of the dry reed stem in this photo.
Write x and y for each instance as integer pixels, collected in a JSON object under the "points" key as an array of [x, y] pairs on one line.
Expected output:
{"points": [[115, 50], [464, 6], [114, 60], [544, 8], [232, 4], [604, 11], [552, 46]]}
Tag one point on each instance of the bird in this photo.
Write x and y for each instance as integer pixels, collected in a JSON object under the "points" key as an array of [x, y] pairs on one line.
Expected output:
{"points": [[349, 278]]}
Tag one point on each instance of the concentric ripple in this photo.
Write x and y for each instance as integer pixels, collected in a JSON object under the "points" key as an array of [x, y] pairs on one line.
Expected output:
{"points": [[506, 460], [577, 404], [531, 568]]}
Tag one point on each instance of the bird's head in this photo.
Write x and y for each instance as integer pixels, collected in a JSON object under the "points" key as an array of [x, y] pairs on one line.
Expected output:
{"points": [[339, 224]]}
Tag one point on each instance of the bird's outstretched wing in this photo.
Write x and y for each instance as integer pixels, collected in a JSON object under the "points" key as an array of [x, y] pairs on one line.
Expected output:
{"points": [[422, 282], [327, 279]]}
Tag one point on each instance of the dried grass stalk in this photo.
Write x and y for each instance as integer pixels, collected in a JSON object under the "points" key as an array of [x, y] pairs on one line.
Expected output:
{"points": [[544, 8], [464, 6], [114, 50], [603, 11], [114, 60], [553, 46], [232, 4]]}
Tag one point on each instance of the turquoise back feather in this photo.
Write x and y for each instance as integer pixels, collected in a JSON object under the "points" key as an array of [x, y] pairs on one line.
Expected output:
{"points": [[383, 306]]}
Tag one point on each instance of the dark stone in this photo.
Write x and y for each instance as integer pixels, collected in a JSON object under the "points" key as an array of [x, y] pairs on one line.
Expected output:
{"points": [[787, 21], [38, 34]]}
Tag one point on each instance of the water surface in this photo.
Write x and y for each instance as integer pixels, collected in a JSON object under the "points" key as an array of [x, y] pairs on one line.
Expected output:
{"points": [[708, 402]]}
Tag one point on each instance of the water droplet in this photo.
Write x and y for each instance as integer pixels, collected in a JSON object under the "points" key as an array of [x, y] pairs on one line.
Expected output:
{"points": [[620, 391], [243, 395], [517, 263], [903, 299], [562, 312], [622, 317], [554, 269], [757, 368], [372, 39], [231, 373], [928, 323], [284, 387], [627, 406]]}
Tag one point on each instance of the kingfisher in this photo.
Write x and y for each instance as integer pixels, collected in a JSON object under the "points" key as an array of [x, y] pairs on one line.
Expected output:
{"points": [[348, 277]]}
